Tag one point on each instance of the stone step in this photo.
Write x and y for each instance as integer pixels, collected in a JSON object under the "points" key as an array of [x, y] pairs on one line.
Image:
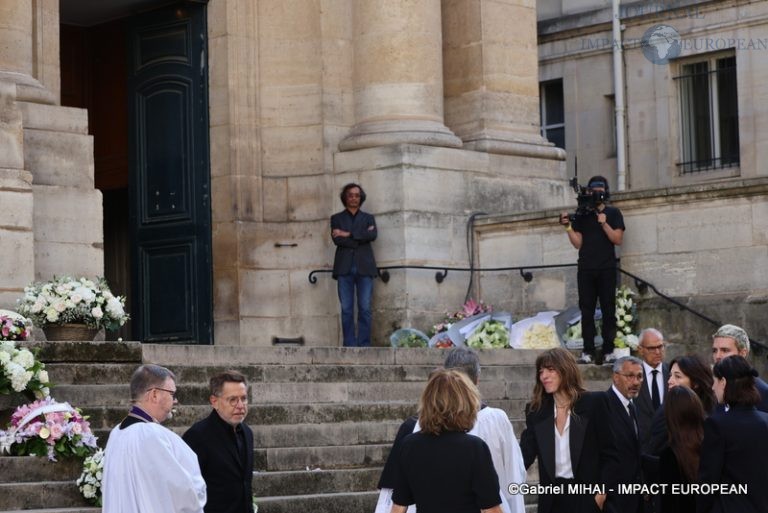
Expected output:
{"points": [[76, 352], [112, 373], [35, 468], [322, 457], [353, 502], [308, 482], [186, 415], [40, 494], [219, 355]]}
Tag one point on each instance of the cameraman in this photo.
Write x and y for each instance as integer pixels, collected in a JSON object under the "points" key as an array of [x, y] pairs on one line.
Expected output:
{"points": [[595, 232]]}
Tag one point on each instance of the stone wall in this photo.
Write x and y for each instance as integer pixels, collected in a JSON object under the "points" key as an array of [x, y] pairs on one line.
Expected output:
{"points": [[703, 245]]}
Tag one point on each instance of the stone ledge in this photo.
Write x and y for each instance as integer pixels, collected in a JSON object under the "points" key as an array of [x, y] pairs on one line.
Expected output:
{"points": [[85, 351]]}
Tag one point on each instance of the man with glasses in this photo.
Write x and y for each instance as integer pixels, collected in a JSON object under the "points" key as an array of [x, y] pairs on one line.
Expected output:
{"points": [[627, 382], [223, 443], [655, 376], [147, 467]]}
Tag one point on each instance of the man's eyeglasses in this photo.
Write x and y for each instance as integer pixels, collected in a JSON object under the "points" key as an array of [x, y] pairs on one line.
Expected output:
{"points": [[638, 377], [653, 348], [233, 400], [172, 392]]}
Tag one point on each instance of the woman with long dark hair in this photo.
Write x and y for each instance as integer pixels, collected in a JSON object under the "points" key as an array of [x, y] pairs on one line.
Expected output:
{"points": [[735, 449], [566, 429], [679, 461], [689, 371]]}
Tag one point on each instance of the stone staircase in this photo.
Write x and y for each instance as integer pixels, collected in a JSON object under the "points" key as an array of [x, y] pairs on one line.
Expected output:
{"points": [[323, 418]]}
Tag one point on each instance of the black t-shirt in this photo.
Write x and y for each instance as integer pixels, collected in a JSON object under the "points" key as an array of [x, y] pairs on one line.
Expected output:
{"points": [[597, 251], [450, 472]]}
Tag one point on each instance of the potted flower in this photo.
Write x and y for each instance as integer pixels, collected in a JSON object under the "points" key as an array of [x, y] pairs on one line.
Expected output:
{"points": [[73, 309]]}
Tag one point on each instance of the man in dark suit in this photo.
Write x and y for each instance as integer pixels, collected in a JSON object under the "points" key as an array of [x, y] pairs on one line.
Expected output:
{"points": [[622, 419], [224, 446], [731, 340], [655, 376], [354, 267]]}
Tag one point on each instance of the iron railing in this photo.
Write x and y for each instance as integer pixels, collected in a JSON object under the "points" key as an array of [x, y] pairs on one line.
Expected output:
{"points": [[526, 274]]}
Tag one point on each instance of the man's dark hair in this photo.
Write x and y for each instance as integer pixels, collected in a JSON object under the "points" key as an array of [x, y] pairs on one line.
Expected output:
{"points": [[346, 188], [217, 382], [146, 377], [465, 360], [739, 377]]}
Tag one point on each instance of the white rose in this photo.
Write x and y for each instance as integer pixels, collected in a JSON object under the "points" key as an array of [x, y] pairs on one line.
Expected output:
{"points": [[59, 306], [42, 376], [24, 358], [85, 293], [75, 297], [620, 323], [97, 313], [628, 318], [115, 308], [51, 315]]}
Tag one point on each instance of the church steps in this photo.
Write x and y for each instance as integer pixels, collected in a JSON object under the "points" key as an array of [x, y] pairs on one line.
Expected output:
{"points": [[39, 494], [315, 481], [332, 409], [357, 502], [33, 468], [325, 457]]}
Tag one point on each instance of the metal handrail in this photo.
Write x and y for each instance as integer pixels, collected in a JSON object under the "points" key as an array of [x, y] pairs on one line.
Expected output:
{"points": [[641, 284]]}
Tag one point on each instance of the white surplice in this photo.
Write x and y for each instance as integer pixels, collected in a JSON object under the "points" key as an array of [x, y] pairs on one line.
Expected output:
{"points": [[149, 469], [493, 426]]}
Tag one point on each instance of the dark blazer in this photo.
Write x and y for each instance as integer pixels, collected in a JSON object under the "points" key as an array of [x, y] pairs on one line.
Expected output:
{"points": [[227, 480], [357, 247], [645, 410], [593, 452], [762, 387], [628, 451], [734, 451]]}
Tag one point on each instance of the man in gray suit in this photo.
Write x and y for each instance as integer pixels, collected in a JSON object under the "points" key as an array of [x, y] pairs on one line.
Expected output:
{"points": [[731, 340], [656, 374]]}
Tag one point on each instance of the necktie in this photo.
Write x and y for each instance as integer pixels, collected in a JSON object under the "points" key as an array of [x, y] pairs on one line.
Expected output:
{"points": [[655, 398], [633, 414]]}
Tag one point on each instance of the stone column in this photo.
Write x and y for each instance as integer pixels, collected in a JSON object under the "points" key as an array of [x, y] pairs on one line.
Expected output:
{"points": [[16, 36], [398, 75], [491, 77]]}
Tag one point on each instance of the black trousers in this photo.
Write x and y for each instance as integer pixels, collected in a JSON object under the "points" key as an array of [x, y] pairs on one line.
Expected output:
{"points": [[593, 285]]}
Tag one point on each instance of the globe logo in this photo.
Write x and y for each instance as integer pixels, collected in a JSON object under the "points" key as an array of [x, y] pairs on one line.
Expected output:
{"points": [[661, 43]]}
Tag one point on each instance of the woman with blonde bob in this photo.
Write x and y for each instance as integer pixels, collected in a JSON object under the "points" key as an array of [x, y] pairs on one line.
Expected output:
{"points": [[567, 429], [442, 468]]}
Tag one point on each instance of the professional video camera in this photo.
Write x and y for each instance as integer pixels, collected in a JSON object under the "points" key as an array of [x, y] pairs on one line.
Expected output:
{"points": [[587, 200]]}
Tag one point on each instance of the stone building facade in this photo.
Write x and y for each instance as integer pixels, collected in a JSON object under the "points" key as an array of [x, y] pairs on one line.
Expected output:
{"points": [[695, 205], [433, 106]]}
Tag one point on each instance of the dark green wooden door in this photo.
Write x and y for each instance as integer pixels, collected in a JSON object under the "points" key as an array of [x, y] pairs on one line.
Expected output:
{"points": [[170, 175]]}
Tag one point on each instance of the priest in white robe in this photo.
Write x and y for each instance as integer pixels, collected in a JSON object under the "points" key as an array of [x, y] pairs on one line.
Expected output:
{"points": [[147, 467]]}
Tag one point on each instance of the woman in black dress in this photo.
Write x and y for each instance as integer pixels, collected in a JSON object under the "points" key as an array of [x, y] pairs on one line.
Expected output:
{"points": [[567, 429], [442, 468], [734, 449], [679, 461]]}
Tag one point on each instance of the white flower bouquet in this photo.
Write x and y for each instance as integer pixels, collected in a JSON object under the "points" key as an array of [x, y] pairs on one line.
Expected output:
{"points": [[626, 319], [21, 371], [89, 481], [67, 300]]}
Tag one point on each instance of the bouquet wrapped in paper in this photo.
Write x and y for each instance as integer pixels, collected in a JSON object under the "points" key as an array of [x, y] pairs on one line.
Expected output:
{"points": [[408, 337], [537, 332]]}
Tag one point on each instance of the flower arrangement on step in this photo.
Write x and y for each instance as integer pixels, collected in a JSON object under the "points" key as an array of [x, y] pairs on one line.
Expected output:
{"points": [[22, 372], [468, 309], [67, 300], [48, 428], [13, 326], [626, 319], [89, 481]]}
